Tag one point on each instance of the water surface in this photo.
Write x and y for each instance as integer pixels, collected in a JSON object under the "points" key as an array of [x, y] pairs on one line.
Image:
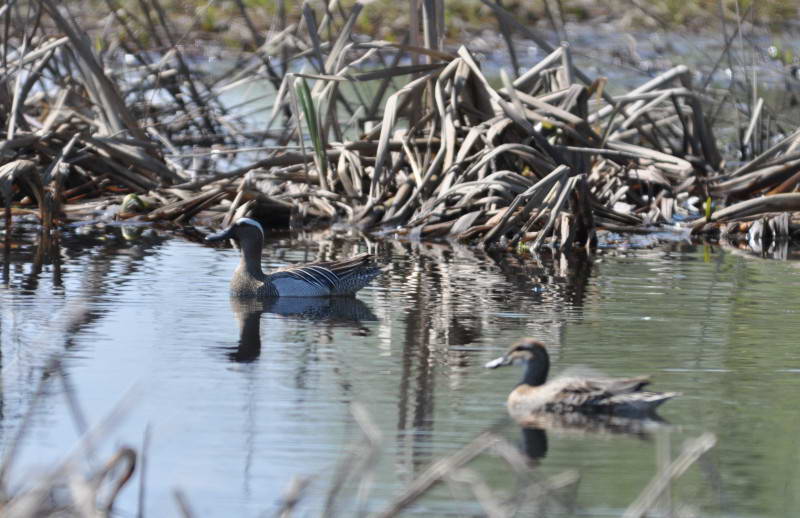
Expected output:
{"points": [[240, 398]]}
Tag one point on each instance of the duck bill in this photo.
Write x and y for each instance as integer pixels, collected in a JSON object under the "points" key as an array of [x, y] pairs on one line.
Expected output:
{"points": [[498, 362], [220, 236]]}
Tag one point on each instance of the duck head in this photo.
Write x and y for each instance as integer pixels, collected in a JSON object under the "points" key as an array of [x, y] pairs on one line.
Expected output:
{"points": [[242, 230], [529, 352], [249, 237]]}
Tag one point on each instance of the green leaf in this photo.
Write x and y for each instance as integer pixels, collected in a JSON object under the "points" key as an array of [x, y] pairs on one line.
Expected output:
{"points": [[310, 112]]}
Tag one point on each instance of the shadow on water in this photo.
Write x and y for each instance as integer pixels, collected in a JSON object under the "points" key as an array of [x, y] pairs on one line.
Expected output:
{"points": [[568, 275], [18, 250], [100, 258], [577, 424], [411, 354], [28, 251], [115, 254], [337, 311], [104, 245], [534, 443], [449, 292], [561, 492]]}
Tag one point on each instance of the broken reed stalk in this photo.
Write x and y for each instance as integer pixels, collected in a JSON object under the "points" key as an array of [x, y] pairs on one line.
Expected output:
{"points": [[77, 492], [692, 451], [183, 504], [80, 493], [437, 471], [451, 469], [358, 464], [439, 162], [531, 491]]}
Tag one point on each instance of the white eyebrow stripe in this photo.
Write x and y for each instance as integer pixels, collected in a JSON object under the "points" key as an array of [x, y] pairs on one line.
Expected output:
{"points": [[250, 221]]}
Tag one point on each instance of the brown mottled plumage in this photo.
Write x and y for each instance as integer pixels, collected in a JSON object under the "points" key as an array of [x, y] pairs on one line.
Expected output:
{"points": [[571, 394], [322, 279]]}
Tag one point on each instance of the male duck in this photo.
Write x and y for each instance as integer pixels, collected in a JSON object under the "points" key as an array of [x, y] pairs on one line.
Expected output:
{"points": [[572, 394], [322, 279]]}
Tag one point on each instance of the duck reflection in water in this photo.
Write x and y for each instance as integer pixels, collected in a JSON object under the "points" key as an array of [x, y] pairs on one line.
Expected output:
{"points": [[337, 311], [577, 424]]}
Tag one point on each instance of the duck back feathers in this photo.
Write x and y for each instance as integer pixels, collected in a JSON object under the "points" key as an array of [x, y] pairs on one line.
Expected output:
{"points": [[615, 395], [327, 278]]}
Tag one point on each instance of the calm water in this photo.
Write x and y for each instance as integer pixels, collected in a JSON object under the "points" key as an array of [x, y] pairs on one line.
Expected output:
{"points": [[241, 398]]}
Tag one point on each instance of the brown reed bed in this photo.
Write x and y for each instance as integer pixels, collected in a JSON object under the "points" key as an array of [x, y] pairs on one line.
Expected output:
{"points": [[404, 139]]}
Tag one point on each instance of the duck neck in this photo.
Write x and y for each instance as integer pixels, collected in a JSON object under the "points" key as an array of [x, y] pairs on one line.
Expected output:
{"points": [[536, 372], [249, 333], [250, 261]]}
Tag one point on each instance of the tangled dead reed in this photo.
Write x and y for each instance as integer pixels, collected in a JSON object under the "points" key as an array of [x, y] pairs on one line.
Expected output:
{"points": [[406, 139]]}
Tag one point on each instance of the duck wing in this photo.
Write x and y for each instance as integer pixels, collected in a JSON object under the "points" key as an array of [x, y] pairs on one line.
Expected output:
{"points": [[348, 267], [637, 402], [325, 277], [306, 280], [575, 393]]}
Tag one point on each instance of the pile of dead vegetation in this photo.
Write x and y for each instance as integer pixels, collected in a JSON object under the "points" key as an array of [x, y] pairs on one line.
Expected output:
{"points": [[320, 125]]}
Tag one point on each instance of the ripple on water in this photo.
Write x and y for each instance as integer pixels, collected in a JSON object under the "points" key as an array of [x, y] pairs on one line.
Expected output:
{"points": [[241, 398]]}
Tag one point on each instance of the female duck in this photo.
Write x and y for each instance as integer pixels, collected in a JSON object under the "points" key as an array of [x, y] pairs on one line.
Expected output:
{"points": [[323, 279], [572, 394]]}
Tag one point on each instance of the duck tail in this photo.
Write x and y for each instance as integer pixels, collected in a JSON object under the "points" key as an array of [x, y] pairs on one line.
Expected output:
{"points": [[355, 273], [657, 398], [355, 280], [639, 402]]}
